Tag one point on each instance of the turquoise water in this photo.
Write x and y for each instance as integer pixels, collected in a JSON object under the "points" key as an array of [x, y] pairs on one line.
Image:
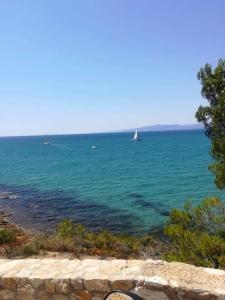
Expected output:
{"points": [[122, 185]]}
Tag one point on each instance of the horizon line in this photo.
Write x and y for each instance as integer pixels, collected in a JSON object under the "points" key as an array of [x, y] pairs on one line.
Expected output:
{"points": [[111, 131]]}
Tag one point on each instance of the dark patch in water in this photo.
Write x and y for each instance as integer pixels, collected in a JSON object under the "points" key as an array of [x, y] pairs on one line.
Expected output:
{"points": [[40, 210], [157, 207], [136, 195]]}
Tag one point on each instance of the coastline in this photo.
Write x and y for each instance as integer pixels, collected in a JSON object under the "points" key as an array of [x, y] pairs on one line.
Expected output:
{"points": [[37, 211], [28, 242]]}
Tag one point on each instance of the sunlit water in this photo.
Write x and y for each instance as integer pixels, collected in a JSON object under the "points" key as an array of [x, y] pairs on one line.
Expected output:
{"points": [[121, 185]]}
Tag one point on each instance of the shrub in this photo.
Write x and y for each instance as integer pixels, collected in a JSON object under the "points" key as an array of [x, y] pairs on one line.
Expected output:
{"points": [[56, 244], [6, 236], [197, 234], [65, 229], [76, 239], [29, 249]]}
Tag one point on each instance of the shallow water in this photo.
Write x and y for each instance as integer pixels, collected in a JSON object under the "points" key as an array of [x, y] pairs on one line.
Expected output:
{"points": [[121, 185]]}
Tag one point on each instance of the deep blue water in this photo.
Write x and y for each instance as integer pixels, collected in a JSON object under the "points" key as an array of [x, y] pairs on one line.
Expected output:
{"points": [[121, 185]]}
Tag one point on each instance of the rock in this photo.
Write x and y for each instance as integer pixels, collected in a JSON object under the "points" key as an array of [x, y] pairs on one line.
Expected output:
{"points": [[63, 287], [77, 284], [83, 295], [13, 196], [155, 281], [199, 295], [7, 295], [124, 285], [156, 262], [97, 285], [4, 222], [50, 286], [25, 293], [98, 296], [4, 195], [150, 294], [42, 295], [36, 282], [9, 283], [21, 282], [7, 195], [73, 297], [217, 272]]}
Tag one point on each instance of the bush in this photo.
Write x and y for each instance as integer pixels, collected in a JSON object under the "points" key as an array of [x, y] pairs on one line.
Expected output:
{"points": [[54, 243], [79, 241], [106, 243], [76, 239], [197, 234], [29, 249], [6, 236], [65, 229]]}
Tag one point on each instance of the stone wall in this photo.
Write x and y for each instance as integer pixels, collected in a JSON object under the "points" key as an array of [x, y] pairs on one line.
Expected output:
{"points": [[64, 279]]}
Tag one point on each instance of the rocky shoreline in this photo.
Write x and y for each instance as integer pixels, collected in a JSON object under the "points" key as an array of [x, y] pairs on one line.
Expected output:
{"points": [[11, 214], [6, 215], [30, 242]]}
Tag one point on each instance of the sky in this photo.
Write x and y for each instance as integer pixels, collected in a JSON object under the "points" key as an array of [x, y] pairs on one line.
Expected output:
{"points": [[76, 66]]}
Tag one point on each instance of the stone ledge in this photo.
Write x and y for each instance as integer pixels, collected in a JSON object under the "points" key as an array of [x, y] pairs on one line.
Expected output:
{"points": [[64, 279]]}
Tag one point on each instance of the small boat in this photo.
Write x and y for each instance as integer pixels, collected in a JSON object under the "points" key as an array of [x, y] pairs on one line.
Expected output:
{"points": [[93, 147], [46, 143], [136, 137]]}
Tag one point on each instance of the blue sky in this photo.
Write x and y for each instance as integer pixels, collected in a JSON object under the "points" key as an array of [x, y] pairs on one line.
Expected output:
{"points": [[86, 66]]}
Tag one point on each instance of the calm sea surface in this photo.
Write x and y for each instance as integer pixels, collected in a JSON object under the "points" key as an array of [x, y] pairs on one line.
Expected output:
{"points": [[121, 185]]}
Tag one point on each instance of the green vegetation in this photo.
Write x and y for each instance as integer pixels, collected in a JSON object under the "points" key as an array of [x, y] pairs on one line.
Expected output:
{"points": [[197, 234], [6, 236], [76, 239], [29, 249], [213, 116]]}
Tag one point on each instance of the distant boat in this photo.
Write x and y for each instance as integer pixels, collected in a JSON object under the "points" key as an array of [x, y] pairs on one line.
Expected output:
{"points": [[46, 143], [93, 147], [136, 137]]}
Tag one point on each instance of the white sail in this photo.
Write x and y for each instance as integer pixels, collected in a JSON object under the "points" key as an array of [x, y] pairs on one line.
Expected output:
{"points": [[136, 136]]}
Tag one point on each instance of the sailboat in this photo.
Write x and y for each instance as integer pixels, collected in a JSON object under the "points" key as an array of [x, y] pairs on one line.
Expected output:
{"points": [[136, 137]]}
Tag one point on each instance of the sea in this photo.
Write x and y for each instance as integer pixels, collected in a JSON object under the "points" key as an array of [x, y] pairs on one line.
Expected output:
{"points": [[119, 185]]}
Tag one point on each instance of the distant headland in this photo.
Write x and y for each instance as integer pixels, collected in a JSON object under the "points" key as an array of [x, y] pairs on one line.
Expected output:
{"points": [[167, 127]]}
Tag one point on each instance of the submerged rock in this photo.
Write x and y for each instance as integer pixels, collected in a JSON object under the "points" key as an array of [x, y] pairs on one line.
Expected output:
{"points": [[4, 195], [7, 195]]}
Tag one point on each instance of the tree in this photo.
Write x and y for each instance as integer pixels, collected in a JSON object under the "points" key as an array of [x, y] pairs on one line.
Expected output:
{"points": [[213, 116]]}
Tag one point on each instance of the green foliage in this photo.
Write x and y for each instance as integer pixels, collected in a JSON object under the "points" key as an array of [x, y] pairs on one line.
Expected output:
{"points": [[29, 249], [76, 239], [56, 244], [197, 234], [6, 236], [65, 229], [109, 244], [213, 116]]}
